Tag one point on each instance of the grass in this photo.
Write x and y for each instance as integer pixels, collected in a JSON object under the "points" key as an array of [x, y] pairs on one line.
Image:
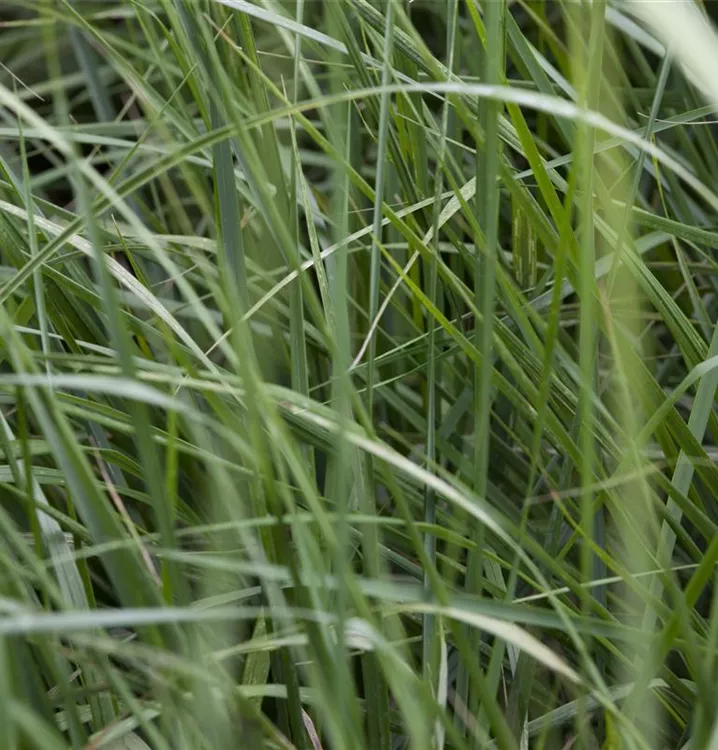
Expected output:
{"points": [[358, 375]]}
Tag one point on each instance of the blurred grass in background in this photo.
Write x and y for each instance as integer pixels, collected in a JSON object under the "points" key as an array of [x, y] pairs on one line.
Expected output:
{"points": [[358, 375]]}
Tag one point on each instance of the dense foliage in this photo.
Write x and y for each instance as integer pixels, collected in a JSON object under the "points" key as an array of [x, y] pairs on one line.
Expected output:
{"points": [[358, 366]]}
